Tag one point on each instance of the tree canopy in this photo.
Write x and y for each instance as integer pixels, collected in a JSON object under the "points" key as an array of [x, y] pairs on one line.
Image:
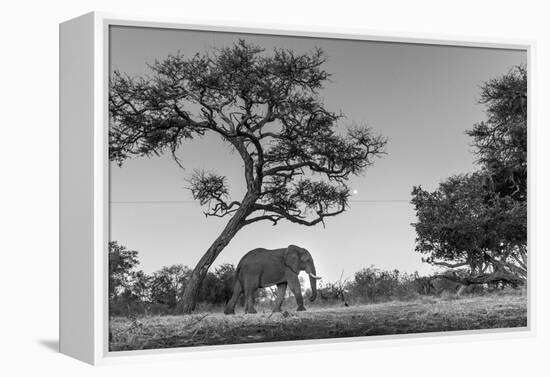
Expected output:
{"points": [[500, 142], [266, 107], [465, 223]]}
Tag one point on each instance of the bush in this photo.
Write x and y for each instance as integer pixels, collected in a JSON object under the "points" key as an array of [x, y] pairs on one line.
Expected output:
{"points": [[371, 285]]}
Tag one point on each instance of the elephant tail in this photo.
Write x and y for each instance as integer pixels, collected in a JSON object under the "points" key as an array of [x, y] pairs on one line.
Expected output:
{"points": [[237, 290]]}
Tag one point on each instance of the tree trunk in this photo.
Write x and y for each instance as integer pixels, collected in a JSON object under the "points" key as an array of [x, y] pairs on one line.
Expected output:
{"points": [[193, 285]]}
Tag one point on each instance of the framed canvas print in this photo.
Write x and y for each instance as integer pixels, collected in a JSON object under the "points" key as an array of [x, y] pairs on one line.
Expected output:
{"points": [[224, 187]]}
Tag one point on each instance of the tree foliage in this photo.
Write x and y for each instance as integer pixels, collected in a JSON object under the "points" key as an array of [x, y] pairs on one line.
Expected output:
{"points": [[466, 223], [218, 285], [167, 285], [122, 262], [500, 142]]}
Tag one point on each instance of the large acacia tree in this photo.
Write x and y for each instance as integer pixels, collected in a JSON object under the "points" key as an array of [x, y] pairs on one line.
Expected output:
{"points": [[266, 107]]}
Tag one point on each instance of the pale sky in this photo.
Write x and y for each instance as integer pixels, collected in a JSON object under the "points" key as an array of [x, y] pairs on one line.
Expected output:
{"points": [[421, 97]]}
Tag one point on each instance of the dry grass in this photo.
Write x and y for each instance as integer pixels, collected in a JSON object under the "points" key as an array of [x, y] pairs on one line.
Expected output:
{"points": [[427, 314]]}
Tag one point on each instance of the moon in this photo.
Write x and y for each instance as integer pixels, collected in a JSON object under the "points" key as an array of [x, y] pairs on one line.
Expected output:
{"points": [[354, 192]]}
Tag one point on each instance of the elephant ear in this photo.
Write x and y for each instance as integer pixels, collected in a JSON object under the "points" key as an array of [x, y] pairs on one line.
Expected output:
{"points": [[292, 258]]}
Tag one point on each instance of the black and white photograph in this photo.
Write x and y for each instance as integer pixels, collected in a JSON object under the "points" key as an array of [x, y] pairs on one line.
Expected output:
{"points": [[267, 188]]}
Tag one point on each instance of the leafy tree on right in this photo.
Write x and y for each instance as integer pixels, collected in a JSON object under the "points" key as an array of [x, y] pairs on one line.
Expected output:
{"points": [[478, 222]]}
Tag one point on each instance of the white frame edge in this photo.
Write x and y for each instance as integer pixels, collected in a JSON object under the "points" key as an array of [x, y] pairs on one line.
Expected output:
{"points": [[84, 211], [76, 176]]}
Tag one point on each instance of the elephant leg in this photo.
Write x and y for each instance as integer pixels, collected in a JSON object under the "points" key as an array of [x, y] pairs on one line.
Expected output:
{"points": [[237, 290], [281, 290], [294, 285], [250, 303], [249, 291]]}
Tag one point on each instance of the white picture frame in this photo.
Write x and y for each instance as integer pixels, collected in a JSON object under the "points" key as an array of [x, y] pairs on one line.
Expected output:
{"points": [[84, 191]]}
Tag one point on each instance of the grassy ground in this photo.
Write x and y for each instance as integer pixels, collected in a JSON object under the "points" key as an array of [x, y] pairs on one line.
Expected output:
{"points": [[424, 315]]}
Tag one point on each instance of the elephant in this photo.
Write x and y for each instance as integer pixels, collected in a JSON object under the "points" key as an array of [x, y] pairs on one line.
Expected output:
{"points": [[260, 268]]}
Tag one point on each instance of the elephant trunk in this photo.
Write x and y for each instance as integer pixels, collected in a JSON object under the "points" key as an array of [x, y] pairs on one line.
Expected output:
{"points": [[312, 281]]}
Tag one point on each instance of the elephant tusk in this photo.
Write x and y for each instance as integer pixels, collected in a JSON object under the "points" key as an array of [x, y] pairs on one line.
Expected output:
{"points": [[313, 276]]}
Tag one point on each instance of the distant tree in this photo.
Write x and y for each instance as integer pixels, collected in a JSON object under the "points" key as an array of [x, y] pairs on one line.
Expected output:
{"points": [[167, 285], [128, 287], [217, 287], [374, 284], [122, 262], [296, 160], [140, 286]]}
